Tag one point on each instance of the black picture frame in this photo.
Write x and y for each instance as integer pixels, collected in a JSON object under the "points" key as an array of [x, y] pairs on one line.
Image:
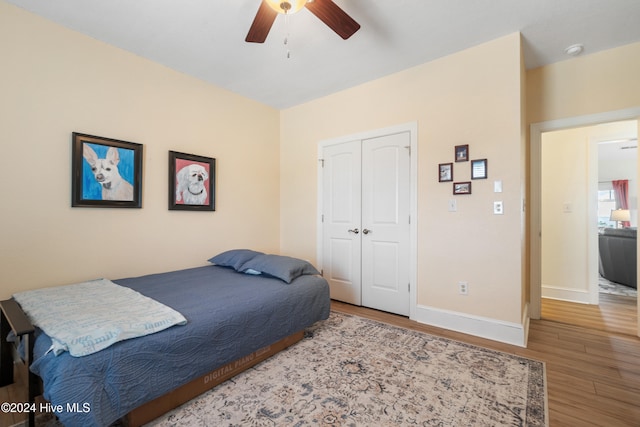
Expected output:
{"points": [[462, 188], [479, 169], [462, 153], [106, 172], [445, 172], [191, 182]]}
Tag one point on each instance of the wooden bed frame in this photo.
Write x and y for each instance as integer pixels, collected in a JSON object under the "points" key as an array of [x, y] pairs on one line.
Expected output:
{"points": [[14, 319]]}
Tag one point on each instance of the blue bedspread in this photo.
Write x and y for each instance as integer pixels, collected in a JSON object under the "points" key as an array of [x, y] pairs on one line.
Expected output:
{"points": [[229, 315]]}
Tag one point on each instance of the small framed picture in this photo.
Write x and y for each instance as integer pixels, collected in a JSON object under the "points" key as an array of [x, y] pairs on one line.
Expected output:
{"points": [[462, 187], [445, 172], [191, 182], [479, 169], [106, 172], [462, 153]]}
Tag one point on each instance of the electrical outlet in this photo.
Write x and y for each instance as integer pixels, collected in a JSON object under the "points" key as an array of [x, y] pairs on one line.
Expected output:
{"points": [[498, 208], [463, 288]]}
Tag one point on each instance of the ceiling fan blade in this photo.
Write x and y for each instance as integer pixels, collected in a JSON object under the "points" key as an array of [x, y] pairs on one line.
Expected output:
{"points": [[261, 24], [335, 18]]}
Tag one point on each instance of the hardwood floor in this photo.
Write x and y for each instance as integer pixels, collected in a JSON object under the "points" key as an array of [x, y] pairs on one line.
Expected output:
{"points": [[593, 374], [617, 314], [14, 393]]}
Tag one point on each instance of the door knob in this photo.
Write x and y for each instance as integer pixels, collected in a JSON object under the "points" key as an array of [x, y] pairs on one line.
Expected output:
{"points": [[354, 231], [365, 231]]}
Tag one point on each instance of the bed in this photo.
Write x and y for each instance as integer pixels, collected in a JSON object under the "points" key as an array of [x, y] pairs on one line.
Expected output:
{"points": [[242, 308]]}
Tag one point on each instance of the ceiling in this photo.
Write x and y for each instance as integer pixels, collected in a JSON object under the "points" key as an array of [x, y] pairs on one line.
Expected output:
{"points": [[205, 38], [617, 141]]}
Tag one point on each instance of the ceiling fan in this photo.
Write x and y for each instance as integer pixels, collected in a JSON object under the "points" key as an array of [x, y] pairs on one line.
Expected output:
{"points": [[326, 10]]}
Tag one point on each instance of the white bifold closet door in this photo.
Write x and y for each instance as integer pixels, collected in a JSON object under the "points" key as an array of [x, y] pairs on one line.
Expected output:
{"points": [[365, 208]]}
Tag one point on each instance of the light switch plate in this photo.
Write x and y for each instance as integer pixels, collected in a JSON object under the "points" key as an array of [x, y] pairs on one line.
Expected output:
{"points": [[497, 186], [453, 205]]}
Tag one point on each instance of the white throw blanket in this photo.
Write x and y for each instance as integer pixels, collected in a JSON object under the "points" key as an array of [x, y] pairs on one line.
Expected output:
{"points": [[87, 317]]}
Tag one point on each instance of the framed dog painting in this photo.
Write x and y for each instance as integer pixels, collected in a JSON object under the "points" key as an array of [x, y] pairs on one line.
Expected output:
{"points": [[191, 182], [105, 172]]}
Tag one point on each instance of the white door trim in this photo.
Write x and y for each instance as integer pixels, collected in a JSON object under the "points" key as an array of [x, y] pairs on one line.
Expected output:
{"points": [[412, 128], [535, 162]]}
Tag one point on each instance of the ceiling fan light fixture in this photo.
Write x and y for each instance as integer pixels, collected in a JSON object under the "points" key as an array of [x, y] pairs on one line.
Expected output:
{"points": [[286, 7]]}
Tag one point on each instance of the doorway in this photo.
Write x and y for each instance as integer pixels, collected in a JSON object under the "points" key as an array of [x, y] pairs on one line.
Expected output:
{"points": [[578, 168], [366, 236], [565, 209]]}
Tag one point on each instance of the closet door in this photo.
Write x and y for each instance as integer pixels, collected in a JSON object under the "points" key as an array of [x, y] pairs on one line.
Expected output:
{"points": [[341, 197], [365, 209], [385, 223]]}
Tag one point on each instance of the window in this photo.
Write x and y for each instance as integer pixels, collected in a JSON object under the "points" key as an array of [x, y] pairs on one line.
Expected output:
{"points": [[606, 203]]}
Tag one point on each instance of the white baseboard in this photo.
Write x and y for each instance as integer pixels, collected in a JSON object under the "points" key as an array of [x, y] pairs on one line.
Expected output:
{"points": [[484, 327], [565, 294]]}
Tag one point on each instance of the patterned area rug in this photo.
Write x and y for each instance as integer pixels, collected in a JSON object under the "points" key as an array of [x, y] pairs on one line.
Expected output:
{"points": [[351, 371], [613, 288]]}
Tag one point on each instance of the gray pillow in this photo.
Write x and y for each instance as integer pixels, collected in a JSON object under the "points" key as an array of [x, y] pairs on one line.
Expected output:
{"points": [[283, 267], [234, 258]]}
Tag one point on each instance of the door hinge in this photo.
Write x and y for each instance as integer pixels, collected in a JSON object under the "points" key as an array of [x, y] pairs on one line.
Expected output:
{"points": [[408, 147], [322, 272], [322, 218], [408, 287], [321, 162]]}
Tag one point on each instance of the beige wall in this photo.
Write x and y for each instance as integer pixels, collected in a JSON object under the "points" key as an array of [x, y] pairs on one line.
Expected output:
{"points": [[603, 81], [472, 97], [53, 82], [565, 219]]}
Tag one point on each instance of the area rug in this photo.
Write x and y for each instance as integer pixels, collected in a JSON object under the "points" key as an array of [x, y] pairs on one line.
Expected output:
{"points": [[613, 288], [350, 371]]}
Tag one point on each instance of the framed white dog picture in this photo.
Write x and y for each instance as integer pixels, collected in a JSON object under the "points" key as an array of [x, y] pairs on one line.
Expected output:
{"points": [[191, 182], [105, 172]]}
